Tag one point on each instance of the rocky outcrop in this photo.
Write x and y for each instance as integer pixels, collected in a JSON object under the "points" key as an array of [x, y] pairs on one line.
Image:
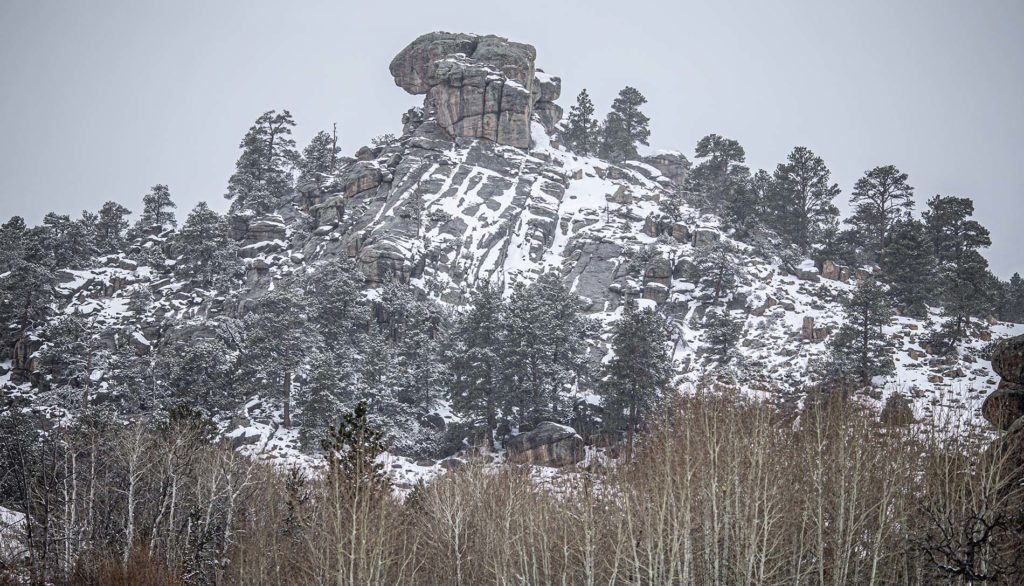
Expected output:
{"points": [[1008, 359], [550, 444], [478, 86], [671, 164], [1005, 405]]}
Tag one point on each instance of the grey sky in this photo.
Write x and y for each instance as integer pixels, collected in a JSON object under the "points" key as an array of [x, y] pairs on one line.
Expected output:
{"points": [[102, 99]]}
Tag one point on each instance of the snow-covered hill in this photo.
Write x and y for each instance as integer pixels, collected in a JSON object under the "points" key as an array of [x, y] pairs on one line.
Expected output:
{"points": [[448, 205]]}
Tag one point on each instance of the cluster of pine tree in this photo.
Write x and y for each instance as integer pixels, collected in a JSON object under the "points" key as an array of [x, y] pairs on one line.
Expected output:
{"points": [[617, 137]]}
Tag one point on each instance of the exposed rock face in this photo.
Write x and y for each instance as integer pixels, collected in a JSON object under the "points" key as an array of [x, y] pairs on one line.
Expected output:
{"points": [[550, 444], [672, 165], [478, 86], [1008, 359], [1005, 405]]}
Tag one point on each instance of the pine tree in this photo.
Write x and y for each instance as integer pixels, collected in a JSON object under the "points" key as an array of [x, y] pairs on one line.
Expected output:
{"points": [[332, 288], [880, 198], [637, 124], [71, 242], [206, 255], [198, 372], [615, 144], [956, 239], [27, 283], [278, 338], [319, 158], [802, 198], [351, 450], [331, 385], [65, 355], [157, 209], [110, 228], [581, 133], [860, 347], [908, 268], [625, 126], [1013, 308], [718, 271], [951, 230], [545, 350], [640, 371], [721, 334], [721, 183], [474, 361], [263, 172]]}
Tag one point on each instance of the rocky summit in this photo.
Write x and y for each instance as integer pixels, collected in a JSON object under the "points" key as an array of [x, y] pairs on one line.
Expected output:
{"points": [[478, 86]]}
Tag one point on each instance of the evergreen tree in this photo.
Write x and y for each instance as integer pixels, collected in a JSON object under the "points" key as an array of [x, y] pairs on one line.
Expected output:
{"points": [[207, 255], [263, 172], [581, 132], [412, 323], [880, 198], [1013, 306], [27, 283], [721, 334], [625, 126], [12, 242], [951, 230], [65, 355], [718, 270], [351, 450], [802, 198], [380, 379], [278, 338], [157, 209], [319, 158], [860, 347], [110, 228], [956, 239], [69, 241], [331, 386], [197, 372], [908, 268], [640, 371], [332, 289], [545, 349], [475, 359], [721, 183], [615, 144]]}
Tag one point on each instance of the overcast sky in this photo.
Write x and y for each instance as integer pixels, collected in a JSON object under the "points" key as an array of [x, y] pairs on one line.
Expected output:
{"points": [[102, 99]]}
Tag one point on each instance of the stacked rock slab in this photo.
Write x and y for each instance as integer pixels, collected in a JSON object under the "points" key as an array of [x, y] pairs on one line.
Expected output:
{"points": [[550, 444], [1006, 404], [1004, 408], [478, 86]]}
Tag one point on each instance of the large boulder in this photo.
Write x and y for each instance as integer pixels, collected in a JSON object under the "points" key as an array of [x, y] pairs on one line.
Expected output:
{"points": [[549, 444], [671, 164], [1005, 405], [478, 86], [1008, 359]]}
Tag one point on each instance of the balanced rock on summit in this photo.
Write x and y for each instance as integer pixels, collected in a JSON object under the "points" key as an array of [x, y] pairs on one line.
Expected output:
{"points": [[478, 86]]}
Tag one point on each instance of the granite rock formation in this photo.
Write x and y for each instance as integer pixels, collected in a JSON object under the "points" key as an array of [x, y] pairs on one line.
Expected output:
{"points": [[479, 86]]}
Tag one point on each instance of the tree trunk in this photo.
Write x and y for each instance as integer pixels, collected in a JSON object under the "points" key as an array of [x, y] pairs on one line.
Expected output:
{"points": [[287, 399], [630, 431]]}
